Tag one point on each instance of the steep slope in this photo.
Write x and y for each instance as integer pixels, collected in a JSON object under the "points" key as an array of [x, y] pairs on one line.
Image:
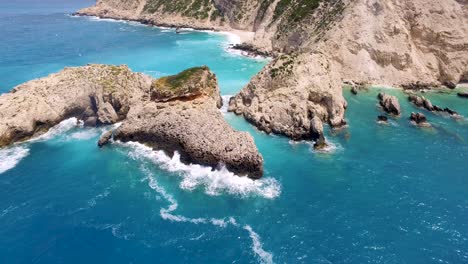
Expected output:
{"points": [[319, 45]]}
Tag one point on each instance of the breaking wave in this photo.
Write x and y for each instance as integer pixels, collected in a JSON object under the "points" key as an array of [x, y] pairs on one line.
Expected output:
{"points": [[61, 128], [9, 157], [214, 182]]}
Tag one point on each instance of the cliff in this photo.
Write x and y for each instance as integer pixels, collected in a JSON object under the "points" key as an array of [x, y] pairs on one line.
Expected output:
{"points": [[321, 44], [174, 113]]}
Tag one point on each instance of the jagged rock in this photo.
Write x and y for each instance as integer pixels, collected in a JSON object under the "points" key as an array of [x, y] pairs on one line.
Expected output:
{"points": [[316, 127], [106, 114], [185, 119], [354, 90], [105, 138], [463, 94], [419, 119], [389, 104], [421, 101]]}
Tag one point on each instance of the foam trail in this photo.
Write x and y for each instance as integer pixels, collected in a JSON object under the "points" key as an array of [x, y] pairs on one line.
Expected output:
{"points": [[214, 182], [10, 157], [265, 257], [167, 214]]}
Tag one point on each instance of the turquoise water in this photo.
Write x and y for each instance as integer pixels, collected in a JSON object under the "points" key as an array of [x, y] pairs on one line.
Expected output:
{"points": [[384, 193]]}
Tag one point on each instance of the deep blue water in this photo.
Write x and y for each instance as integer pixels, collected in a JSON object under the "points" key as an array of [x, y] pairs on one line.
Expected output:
{"points": [[384, 194]]}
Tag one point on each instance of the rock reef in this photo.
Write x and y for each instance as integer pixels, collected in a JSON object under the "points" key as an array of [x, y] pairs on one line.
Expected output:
{"points": [[422, 102], [174, 113]]}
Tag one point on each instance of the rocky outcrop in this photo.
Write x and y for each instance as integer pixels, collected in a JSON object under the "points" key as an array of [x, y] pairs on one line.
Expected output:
{"points": [[389, 104], [97, 94], [287, 105], [419, 119], [105, 139], [463, 94], [416, 44], [175, 113], [422, 102]]}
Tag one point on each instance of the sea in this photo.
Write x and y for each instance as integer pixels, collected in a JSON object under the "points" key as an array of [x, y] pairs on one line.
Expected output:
{"points": [[393, 193]]}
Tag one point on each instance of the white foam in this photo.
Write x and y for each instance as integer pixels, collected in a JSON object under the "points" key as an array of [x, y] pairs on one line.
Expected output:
{"points": [[214, 182], [168, 214], [224, 108], [84, 135], [10, 157], [61, 128], [264, 256]]}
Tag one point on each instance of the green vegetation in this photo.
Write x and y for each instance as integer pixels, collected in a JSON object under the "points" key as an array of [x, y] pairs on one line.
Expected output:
{"points": [[177, 81], [296, 9], [286, 67], [200, 9]]}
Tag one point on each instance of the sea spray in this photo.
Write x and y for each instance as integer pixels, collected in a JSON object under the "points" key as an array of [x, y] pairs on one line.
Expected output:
{"points": [[11, 156], [214, 182]]}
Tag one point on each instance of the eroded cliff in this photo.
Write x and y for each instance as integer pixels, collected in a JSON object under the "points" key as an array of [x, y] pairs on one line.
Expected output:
{"points": [[321, 44], [174, 113]]}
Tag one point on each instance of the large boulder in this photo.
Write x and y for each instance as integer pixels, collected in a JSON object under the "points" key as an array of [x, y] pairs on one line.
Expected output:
{"points": [[389, 104]]}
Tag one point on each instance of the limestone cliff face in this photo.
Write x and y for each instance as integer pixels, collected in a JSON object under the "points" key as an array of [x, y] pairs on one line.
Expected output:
{"points": [[320, 44]]}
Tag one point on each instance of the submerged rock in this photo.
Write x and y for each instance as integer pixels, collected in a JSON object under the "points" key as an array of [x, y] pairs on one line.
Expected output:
{"points": [[389, 104], [105, 138], [382, 119], [175, 113], [419, 119]]}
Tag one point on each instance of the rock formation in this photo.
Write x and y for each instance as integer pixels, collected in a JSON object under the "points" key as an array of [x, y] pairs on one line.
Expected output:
{"points": [[319, 44], [389, 104], [175, 113], [419, 119], [463, 94], [422, 102], [105, 139], [102, 94]]}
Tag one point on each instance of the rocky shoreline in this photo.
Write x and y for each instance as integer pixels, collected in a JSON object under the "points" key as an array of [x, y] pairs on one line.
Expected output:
{"points": [[319, 47], [175, 113]]}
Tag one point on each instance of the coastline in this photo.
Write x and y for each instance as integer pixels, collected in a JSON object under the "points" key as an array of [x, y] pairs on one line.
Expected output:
{"points": [[236, 38]]}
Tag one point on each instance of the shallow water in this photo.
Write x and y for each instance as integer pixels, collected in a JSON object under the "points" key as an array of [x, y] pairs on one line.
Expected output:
{"points": [[383, 194]]}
